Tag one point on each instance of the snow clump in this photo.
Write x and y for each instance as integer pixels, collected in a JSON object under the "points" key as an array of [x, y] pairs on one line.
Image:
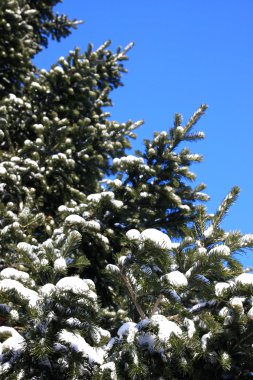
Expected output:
{"points": [[245, 279], [176, 278], [221, 287], [157, 237]]}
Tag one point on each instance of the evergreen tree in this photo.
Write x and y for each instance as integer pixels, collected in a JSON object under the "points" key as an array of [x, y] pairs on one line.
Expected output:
{"points": [[111, 267]]}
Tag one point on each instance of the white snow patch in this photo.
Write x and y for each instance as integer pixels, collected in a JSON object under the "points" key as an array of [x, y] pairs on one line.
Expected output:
{"points": [[14, 343], [60, 264], [250, 313], [111, 367], [204, 340], [74, 284], [175, 245], [78, 343], [224, 312], [221, 287], [98, 196], [75, 219], [190, 325], [122, 260], [165, 327], [246, 239], [208, 232], [157, 237], [2, 170], [117, 182], [237, 302], [176, 278], [27, 294], [112, 268], [117, 204], [14, 274], [133, 234], [93, 224], [220, 250], [245, 279], [58, 69], [47, 289], [128, 328], [202, 250], [128, 160]]}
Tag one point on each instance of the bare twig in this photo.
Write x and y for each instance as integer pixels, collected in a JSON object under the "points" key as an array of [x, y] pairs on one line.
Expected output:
{"points": [[157, 303], [133, 296]]}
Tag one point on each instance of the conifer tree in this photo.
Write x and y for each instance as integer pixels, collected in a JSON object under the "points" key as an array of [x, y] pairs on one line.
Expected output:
{"points": [[110, 265]]}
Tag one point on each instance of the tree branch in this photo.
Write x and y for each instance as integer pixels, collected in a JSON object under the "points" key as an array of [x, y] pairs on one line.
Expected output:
{"points": [[133, 296]]}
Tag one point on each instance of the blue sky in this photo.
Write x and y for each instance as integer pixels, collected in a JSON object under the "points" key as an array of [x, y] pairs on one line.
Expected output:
{"points": [[186, 53]]}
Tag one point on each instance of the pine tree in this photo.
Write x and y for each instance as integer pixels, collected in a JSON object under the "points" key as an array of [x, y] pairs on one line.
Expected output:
{"points": [[111, 266]]}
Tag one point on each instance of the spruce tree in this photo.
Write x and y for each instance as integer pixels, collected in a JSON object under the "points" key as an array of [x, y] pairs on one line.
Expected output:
{"points": [[111, 266]]}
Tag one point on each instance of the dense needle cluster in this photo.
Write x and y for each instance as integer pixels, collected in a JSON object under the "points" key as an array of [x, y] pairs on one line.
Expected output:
{"points": [[110, 265]]}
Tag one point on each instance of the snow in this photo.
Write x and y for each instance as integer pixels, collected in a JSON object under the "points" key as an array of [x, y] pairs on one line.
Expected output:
{"points": [[133, 234], [16, 99], [190, 327], [147, 339], [14, 274], [179, 129], [176, 278], [127, 328], [162, 134], [63, 208], [35, 85], [246, 239], [224, 312], [165, 327], [122, 260], [128, 159], [58, 69], [47, 289], [202, 278], [185, 208], [117, 182], [204, 340], [111, 367], [202, 250], [98, 196], [110, 344], [14, 343], [60, 264], [74, 219], [25, 247], [93, 225], [44, 262], [208, 232], [73, 322], [157, 237], [27, 294], [175, 245], [245, 279], [220, 249], [250, 313], [201, 305], [2, 170], [221, 287], [14, 315], [112, 268], [237, 302], [117, 204], [78, 344], [74, 284]]}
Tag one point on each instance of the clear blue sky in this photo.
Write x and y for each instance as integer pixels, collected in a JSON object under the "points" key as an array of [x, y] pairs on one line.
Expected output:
{"points": [[186, 53]]}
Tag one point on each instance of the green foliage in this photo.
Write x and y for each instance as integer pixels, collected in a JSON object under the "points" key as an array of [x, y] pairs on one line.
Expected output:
{"points": [[98, 244]]}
